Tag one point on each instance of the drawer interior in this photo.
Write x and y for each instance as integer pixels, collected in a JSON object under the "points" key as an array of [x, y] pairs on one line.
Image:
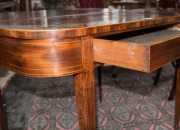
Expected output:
{"points": [[144, 36]]}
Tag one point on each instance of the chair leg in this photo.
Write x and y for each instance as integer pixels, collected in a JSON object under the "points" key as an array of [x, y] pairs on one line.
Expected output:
{"points": [[3, 121], [177, 101], [156, 80], [173, 89], [114, 72], [99, 69]]}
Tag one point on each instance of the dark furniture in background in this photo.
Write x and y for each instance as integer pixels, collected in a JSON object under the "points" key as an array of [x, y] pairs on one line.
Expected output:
{"points": [[135, 4], [91, 4], [25, 5], [9, 5], [169, 3], [17, 5]]}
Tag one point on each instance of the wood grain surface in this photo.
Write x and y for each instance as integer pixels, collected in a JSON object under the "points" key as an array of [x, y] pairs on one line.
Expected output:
{"points": [[41, 58]]}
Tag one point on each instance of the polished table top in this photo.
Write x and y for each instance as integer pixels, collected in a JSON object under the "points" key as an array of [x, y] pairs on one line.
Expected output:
{"points": [[71, 23]]}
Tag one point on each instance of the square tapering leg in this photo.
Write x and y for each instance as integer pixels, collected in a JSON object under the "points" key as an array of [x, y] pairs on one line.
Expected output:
{"points": [[85, 98]]}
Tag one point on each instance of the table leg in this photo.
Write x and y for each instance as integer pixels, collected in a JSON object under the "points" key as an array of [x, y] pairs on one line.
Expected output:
{"points": [[177, 102], [99, 72], [84, 87], [85, 98], [3, 122]]}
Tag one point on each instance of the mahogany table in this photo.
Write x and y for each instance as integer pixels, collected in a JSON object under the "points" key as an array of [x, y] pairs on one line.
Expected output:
{"points": [[71, 42]]}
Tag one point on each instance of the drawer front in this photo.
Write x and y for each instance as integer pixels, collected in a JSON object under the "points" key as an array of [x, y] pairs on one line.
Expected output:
{"points": [[122, 54]]}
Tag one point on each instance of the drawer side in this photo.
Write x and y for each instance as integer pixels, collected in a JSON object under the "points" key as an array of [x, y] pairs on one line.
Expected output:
{"points": [[128, 55]]}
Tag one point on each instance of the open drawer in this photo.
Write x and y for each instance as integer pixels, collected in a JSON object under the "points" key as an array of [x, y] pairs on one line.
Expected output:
{"points": [[143, 50]]}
